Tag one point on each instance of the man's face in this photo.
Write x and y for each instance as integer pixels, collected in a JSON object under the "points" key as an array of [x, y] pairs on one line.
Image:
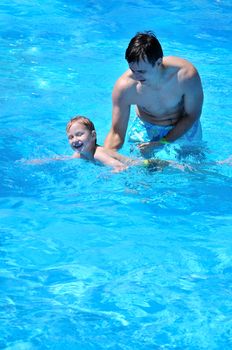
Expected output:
{"points": [[80, 138], [142, 71]]}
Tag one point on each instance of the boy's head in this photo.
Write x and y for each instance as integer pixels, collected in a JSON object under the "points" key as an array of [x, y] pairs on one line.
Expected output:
{"points": [[81, 134]]}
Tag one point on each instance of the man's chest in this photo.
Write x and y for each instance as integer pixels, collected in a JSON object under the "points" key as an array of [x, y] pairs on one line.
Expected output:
{"points": [[159, 101]]}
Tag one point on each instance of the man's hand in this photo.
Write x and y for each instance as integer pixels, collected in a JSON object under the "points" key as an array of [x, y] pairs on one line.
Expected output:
{"points": [[147, 148]]}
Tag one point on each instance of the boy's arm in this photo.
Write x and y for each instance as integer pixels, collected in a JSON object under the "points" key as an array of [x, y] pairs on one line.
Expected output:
{"points": [[114, 154], [160, 164], [120, 162], [48, 160], [111, 158], [225, 161]]}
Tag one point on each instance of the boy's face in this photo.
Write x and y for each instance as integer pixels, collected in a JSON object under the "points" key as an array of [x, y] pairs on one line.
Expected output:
{"points": [[80, 138]]}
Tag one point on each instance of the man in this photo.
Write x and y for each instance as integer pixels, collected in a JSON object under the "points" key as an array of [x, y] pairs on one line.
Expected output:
{"points": [[166, 91]]}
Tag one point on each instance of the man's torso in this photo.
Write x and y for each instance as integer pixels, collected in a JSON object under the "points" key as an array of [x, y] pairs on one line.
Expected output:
{"points": [[163, 105]]}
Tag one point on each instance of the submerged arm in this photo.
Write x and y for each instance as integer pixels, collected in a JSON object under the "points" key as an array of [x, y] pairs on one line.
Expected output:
{"points": [[48, 160]]}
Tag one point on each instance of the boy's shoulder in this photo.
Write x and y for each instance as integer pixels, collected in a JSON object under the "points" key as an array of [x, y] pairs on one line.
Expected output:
{"points": [[105, 155], [101, 150]]}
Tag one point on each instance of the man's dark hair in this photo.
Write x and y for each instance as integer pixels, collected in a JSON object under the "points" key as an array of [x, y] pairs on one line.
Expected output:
{"points": [[144, 45]]}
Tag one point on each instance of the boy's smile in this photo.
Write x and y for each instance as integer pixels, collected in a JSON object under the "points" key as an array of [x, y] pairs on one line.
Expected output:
{"points": [[77, 144]]}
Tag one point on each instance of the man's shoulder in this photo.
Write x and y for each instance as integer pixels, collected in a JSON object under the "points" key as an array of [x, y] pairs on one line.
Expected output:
{"points": [[176, 61], [184, 69], [125, 86], [187, 75], [125, 81]]}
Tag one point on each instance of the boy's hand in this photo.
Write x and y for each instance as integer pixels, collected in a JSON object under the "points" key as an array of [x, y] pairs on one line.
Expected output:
{"points": [[181, 167], [119, 168], [225, 161]]}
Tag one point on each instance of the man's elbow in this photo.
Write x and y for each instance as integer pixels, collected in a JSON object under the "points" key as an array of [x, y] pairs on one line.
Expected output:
{"points": [[192, 117]]}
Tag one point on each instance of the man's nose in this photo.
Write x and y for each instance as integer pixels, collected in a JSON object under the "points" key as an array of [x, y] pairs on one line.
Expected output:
{"points": [[138, 76]]}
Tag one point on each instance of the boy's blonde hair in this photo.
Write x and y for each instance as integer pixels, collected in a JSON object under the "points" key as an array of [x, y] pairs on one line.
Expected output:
{"points": [[82, 120]]}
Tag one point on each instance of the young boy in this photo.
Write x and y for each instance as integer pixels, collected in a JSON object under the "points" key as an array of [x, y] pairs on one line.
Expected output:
{"points": [[82, 138]]}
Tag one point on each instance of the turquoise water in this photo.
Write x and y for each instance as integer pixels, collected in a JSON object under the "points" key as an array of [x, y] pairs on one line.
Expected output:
{"points": [[95, 260]]}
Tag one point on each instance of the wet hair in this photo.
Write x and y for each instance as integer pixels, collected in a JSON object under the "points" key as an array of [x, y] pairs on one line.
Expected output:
{"points": [[82, 120], [144, 46]]}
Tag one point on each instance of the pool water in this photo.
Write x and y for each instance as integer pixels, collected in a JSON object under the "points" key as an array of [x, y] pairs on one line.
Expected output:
{"points": [[95, 260]]}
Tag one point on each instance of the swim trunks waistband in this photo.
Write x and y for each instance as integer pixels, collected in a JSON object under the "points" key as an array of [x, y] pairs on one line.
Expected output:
{"points": [[141, 131]]}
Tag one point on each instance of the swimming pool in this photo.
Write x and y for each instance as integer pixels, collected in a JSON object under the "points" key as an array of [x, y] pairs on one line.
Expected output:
{"points": [[95, 260]]}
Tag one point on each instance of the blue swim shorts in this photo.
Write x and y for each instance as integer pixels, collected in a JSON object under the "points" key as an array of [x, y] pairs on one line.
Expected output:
{"points": [[141, 131]]}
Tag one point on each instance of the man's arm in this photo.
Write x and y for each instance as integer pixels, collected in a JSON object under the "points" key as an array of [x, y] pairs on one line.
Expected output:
{"points": [[120, 118], [193, 101]]}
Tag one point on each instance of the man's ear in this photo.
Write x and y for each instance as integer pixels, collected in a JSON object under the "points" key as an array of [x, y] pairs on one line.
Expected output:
{"points": [[94, 134]]}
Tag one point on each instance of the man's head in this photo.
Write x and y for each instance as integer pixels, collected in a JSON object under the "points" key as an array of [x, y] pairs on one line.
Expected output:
{"points": [[81, 134], [144, 46]]}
